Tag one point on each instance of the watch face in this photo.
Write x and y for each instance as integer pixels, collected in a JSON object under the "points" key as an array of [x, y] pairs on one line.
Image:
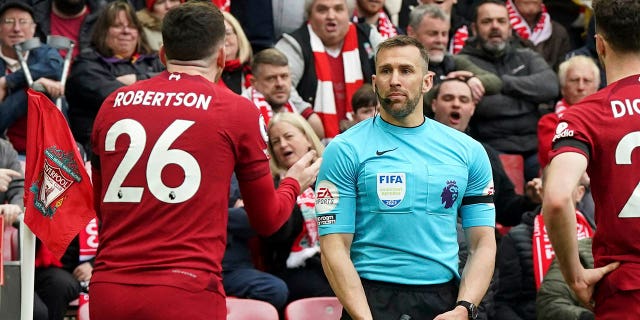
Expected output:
{"points": [[473, 310]]}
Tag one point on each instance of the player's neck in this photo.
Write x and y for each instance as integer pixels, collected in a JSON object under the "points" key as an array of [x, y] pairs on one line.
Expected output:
{"points": [[410, 121], [620, 66], [194, 68]]}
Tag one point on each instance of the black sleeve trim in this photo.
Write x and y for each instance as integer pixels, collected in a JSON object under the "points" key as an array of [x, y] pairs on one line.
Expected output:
{"points": [[477, 199], [573, 143]]}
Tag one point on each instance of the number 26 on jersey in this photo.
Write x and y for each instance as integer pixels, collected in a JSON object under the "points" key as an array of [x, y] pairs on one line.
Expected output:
{"points": [[160, 157]]}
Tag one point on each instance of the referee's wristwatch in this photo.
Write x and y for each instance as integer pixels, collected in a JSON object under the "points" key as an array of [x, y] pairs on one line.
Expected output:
{"points": [[472, 309]]}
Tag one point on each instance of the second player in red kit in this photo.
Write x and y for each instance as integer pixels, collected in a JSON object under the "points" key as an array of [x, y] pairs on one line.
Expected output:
{"points": [[165, 152], [601, 134]]}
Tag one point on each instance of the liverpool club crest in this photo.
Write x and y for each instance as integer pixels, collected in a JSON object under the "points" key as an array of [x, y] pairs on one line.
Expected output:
{"points": [[59, 172]]}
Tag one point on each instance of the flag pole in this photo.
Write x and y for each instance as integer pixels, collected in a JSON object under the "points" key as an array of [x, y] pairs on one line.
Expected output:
{"points": [[27, 269]]}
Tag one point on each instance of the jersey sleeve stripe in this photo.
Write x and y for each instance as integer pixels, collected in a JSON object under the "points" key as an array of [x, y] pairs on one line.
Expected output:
{"points": [[573, 143]]}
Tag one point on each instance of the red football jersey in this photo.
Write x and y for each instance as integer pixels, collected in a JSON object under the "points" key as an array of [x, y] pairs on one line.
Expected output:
{"points": [[605, 127], [546, 130], [167, 148]]}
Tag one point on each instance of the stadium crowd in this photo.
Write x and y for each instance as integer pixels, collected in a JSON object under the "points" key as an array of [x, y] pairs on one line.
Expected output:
{"points": [[503, 73]]}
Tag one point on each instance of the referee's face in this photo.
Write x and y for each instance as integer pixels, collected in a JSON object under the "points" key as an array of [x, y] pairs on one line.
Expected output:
{"points": [[401, 81]]}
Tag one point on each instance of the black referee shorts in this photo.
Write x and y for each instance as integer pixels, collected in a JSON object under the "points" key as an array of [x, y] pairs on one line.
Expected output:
{"points": [[389, 301]]}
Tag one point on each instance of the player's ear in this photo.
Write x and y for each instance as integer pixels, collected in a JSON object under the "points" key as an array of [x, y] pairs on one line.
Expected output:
{"points": [[220, 60], [163, 57], [601, 46], [427, 81]]}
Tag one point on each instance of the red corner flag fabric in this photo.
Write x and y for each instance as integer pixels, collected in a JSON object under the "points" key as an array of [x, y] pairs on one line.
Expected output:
{"points": [[58, 197]]}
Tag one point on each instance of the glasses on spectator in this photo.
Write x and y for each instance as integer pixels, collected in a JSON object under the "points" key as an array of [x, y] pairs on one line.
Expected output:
{"points": [[10, 22], [123, 27]]}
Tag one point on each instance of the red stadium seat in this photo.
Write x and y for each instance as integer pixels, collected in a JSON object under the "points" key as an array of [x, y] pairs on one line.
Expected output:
{"points": [[319, 308], [514, 167], [250, 309]]}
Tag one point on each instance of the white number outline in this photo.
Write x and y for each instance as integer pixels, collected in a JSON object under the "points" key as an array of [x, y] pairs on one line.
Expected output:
{"points": [[624, 150], [159, 157]]}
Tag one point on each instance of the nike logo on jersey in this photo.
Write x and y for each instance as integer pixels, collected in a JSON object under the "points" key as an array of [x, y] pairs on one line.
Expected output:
{"points": [[379, 153]]}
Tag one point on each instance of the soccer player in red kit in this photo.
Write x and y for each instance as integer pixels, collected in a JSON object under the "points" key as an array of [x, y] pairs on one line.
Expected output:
{"points": [[165, 150], [600, 134]]}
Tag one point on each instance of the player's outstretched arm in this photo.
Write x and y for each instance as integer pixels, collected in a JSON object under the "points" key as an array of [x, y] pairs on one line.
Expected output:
{"points": [[305, 170], [268, 209]]}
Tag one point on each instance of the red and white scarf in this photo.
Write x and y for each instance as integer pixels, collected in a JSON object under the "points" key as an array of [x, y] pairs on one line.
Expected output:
{"points": [[385, 26], [264, 107], [324, 103], [307, 243], [459, 38], [543, 251], [540, 33]]}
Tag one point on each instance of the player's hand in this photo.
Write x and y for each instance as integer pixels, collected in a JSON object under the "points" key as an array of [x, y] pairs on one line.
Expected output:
{"points": [[10, 213], [533, 190], [83, 272], [305, 170], [458, 313], [6, 176], [587, 281], [127, 79]]}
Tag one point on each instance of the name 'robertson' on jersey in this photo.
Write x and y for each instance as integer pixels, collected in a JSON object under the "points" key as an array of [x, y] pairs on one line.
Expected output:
{"points": [[162, 99]]}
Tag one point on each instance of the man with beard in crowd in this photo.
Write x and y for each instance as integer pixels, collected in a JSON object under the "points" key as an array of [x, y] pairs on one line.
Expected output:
{"points": [[507, 121]]}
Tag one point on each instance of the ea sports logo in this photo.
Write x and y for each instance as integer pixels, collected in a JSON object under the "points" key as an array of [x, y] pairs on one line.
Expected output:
{"points": [[327, 196]]}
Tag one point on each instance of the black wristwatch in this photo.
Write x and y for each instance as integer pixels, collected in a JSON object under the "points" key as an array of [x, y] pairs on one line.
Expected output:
{"points": [[472, 309]]}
